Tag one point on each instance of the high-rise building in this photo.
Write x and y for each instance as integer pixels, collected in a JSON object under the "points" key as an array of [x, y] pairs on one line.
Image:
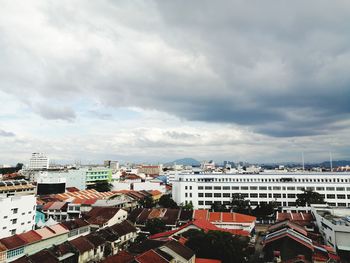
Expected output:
{"points": [[38, 161]]}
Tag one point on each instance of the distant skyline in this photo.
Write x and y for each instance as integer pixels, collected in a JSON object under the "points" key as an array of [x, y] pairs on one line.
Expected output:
{"points": [[155, 81]]}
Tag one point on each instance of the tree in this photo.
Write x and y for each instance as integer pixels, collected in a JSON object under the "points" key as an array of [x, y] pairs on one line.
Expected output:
{"points": [[217, 207], [155, 226], [264, 210], [240, 205], [217, 245], [188, 206], [309, 197], [167, 202], [147, 202]]}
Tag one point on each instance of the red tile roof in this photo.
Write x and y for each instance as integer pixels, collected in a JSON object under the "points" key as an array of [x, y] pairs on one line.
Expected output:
{"points": [[200, 214], [150, 257], [12, 242], [121, 257], [81, 244], [214, 216], [30, 237], [207, 260], [101, 215], [201, 224], [226, 217]]}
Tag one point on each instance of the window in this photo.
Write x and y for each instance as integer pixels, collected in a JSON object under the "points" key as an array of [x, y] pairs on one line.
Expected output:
{"points": [[276, 188], [290, 188], [208, 202], [340, 188], [254, 195], [341, 196], [319, 188], [226, 195], [200, 195], [200, 187], [208, 195], [15, 252], [200, 203], [217, 187], [341, 204], [15, 210], [14, 221], [263, 195], [291, 195], [13, 231], [208, 188], [244, 187], [253, 188], [245, 195], [235, 187], [225, 188], [330, 188], [262, 188], [217, 194], [331, 196], [276, 195]]}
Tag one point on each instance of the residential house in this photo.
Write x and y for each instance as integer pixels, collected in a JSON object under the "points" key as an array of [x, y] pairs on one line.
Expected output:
{"points": [[100, 217]]}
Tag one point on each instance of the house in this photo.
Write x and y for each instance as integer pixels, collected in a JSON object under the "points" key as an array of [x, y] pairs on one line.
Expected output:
{"points": [[85, 249], [76, 228], [179, 252], [55, 210], [286, 241], [126, 231], [99, 244], [100, 217]]}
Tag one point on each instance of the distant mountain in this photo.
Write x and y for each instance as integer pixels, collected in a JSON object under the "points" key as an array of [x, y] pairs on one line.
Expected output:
{"points": [[185, 161], [335, 163]]}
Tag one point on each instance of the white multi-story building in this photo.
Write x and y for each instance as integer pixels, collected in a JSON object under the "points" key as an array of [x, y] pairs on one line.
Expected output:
{"points": [[17, 214], [334, 225], [38, 161], [203, 189]]}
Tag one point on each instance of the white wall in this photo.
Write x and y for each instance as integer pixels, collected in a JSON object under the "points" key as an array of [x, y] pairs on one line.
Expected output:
{"points": [[24, 215]]}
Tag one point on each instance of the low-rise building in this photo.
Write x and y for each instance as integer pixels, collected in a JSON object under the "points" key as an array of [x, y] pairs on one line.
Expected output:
{"points": [[16, 187], [100, 217]]}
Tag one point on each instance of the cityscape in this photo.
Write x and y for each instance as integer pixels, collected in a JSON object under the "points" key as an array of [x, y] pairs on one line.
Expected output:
{"points": [[174, 131]]}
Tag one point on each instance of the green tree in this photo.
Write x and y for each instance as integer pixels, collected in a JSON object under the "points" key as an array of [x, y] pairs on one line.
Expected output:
{"points": [[217, 245], [155, 226], [309, 197], [265, 210], [240, 205], [216, 207], [147, 202], [167, 202], [188, 206]]}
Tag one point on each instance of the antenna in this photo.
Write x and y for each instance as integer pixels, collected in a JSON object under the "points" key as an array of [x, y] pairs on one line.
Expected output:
{"points": [[302, 158], [331, 161]]}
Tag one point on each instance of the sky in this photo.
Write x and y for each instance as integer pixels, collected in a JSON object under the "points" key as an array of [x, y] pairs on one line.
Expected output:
{"points": [[153, 81]]}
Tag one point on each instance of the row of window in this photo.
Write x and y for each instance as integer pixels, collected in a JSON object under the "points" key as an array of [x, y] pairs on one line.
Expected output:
{"points": [[289, 188], [264, 195], [262, 180], [254, 203]]}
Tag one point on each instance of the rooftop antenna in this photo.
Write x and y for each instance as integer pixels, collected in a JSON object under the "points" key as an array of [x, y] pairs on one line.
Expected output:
{"points": [[302, 158], [331, 161]]}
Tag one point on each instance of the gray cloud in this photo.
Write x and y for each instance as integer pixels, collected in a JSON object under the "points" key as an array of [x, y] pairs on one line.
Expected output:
{"points": [[4, 133], [280, 69], [55, 112]]}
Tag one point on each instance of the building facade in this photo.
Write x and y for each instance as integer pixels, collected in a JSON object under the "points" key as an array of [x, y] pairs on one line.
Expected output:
{"points": [[38, 161], [17, 214], [203, 189]]}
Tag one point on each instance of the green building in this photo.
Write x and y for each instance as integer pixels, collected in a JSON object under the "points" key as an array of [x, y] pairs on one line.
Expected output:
{"points": [[95, 175]]}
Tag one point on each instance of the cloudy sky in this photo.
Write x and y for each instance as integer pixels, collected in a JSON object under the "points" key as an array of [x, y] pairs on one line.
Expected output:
{"points": [[150, 81]]}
